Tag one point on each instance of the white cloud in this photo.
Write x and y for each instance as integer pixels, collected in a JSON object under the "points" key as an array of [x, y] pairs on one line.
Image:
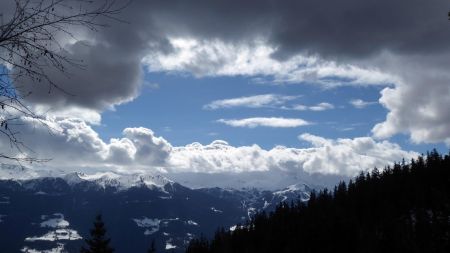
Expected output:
{"points": [[75, 146], [327, 156], [267, 100], [71, 143], [264, 122], [319, 107], [217, 58], [257, 101], [360, 104], [349, 156], [419, 105]]}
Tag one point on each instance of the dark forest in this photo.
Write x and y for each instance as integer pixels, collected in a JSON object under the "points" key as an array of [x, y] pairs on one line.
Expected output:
{"points": [[403, 208]]}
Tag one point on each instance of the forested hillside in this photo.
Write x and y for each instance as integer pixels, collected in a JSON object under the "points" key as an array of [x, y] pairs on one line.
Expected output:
{"points": [[404, 208]]}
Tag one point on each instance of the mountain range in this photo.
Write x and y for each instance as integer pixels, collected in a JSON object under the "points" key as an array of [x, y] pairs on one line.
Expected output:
{"points": [[45, 213]]}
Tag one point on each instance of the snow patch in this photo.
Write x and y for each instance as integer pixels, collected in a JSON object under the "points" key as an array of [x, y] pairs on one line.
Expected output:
{"points": [[216, 210], [233, 228], [58, 234], [292, 189], [170, 246], [58, 249], [251, 211], [146, 222], [151, 225], [58, 222], [192, 223]]}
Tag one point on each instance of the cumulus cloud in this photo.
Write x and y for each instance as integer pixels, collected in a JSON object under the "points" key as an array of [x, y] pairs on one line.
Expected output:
{"points": [[344, 157], [419, 105], [360, 104], [257, 101], [349, 156], [73, 144], [264, 122]]}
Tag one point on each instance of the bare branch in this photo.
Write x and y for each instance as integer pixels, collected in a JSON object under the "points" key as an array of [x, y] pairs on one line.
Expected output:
{"points": [[29, 48]]}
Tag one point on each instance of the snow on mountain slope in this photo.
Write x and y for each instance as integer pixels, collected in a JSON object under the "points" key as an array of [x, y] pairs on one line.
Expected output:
{"points": [[119, 181], [300, 190], [102, 179], [122, 181]]}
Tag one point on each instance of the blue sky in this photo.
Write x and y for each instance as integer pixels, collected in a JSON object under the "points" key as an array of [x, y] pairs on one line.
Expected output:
{"points": [[172, 105]]}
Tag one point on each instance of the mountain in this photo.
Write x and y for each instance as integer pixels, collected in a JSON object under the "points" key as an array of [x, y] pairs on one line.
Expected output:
{"points": [[44, 212]]}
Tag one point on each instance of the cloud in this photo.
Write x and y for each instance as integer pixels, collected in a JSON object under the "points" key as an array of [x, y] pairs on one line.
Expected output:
{"points": [[346, 29], [326, 157], [360, 104], [319, 107], [322, 107], [257, 101], [420, 104], [217, 58], [349, 156], [109, 79], [73, 144], [274, 101], [264, 122]]}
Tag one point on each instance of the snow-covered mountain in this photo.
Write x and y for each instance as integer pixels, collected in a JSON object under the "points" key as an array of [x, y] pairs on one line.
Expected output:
{"points": [[52, 212], [120, 182]]}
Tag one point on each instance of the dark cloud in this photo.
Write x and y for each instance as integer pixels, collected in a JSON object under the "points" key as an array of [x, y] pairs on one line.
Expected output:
{"points": [[107, 78], [338, 29], [348, 28]]}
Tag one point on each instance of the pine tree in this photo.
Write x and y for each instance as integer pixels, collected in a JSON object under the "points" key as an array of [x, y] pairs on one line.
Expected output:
{"points": [[152, 248], [98, 242]]}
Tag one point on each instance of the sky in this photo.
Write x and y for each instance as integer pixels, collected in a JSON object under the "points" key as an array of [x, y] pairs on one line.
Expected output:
{"points": [[292, 90]]}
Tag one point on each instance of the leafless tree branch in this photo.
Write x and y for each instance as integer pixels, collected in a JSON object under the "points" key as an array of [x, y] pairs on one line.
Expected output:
{"points": [[29, 47]]}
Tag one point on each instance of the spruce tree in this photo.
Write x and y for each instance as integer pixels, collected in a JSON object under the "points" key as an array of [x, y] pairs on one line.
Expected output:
{"points": [[98, 243], [152, 248]]}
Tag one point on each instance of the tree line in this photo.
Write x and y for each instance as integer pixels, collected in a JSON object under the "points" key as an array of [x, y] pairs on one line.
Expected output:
{"points": [[403, 208]]}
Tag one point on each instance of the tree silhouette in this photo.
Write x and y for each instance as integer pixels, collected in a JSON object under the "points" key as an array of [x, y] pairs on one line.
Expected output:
{"points": [[152, 248], [98, 243]]}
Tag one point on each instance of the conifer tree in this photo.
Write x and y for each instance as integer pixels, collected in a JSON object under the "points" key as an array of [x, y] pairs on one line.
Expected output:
{"points": [[98, 243], [152, 248]]}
